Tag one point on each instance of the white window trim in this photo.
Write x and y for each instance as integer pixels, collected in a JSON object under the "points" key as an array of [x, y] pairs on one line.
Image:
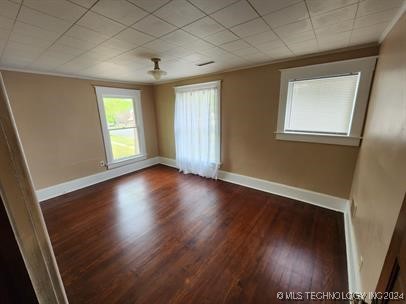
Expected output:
{"points": [[136, 97], [365, 66], [207, 85]]}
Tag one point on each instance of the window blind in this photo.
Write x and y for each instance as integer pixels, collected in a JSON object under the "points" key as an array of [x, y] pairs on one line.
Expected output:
{"points": [[323, 105]]}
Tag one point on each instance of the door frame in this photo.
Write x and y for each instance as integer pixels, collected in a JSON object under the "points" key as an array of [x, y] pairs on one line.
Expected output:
{"points": [[23, 211]]}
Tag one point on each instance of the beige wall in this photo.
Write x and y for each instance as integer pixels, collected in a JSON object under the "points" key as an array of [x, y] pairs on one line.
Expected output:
{"points": [[249, 107], [380, 177], [59, 125]]}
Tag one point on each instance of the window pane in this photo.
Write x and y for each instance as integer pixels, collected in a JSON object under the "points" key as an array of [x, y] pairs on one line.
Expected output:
{"points": [[124, 143], [119, 112], [321, 105]]}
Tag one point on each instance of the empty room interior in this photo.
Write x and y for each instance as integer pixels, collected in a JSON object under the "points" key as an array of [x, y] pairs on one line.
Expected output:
{"points": [[203, 151]]}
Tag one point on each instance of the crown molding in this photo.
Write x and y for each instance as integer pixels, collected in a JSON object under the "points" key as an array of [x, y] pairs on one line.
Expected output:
{"points": [[244, 67], [4, 68]]}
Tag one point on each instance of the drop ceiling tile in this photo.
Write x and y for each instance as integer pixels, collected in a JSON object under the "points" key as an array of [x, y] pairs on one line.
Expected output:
{"points": [[330, 31], [117, 44], [267, 6], [258, 58], [367, 7], [77, 43], [149, 5], [294, 28], [199, 45], [41, 20], [215, 52], [103, 53], [261, 38], [8, 9], [61, 50], [133, 36], [24, 38], [85, 34], [204, 27], [153, 26], [15, 62], [48, 61], [180, 38], [102, 68], [235, 45], [335, 16], [84, 3], [6, 23], [244, 52], [139, 58], [278, 53], [4, 35], [179, 13], [76, 65], [159, 45], [234, 14], [250, 28], [304, 47], [100, 24], [179, 52], [22, 50], [21, 28], [299, 37], [58, 8], [221, 37], [322, 6], [368, 20], [270, 45], [287, 15], [196, 58], [337, 41], [210, 6], [120, 10], [368, 34]]}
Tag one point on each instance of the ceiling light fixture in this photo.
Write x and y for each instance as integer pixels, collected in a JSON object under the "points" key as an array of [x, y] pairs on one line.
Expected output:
{"points": [[157, 73]]}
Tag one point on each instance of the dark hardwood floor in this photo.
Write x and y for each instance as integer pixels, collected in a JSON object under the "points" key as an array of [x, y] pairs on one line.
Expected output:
{"points": [[157, 236]]}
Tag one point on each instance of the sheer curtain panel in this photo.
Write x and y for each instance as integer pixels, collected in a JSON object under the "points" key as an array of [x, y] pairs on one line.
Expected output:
{"points": [[197, 128]]}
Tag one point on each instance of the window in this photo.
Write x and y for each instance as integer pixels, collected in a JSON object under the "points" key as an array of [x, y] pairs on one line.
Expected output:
{"points": [[121, 120], [197, 128], [325, 103]]}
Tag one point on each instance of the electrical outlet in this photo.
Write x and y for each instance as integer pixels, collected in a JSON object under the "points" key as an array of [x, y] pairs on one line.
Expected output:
{"points": [[102, 163]]}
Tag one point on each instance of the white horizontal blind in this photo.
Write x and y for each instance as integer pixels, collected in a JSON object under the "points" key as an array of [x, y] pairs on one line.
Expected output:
{"points": [[323, 105]]}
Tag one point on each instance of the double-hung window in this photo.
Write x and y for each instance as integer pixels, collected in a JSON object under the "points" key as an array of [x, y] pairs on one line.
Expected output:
{"points": [[325, 103], [121, 120]]}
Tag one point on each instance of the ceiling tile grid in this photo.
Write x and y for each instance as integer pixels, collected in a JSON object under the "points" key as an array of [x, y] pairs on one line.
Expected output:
{"points": [[116, 39]]}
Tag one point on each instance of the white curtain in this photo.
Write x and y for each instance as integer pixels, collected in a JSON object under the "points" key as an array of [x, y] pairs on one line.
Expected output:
{"points": [[197, 129]]}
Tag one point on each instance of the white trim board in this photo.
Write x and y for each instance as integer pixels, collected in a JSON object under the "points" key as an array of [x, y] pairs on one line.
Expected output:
{"points": [[353, 267], [83, 182], [307, 196]]}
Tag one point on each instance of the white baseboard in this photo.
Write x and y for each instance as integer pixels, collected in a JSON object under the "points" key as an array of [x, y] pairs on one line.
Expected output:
{"points": [[354, 281], [307, 196], [72, 185]]}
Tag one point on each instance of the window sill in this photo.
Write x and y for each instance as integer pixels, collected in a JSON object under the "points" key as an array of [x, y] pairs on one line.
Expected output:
{"points": [[319, 138], [126, 161]]}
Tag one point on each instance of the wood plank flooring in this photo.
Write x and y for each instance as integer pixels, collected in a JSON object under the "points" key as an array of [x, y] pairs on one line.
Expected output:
{"points": [[158, 236]]}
